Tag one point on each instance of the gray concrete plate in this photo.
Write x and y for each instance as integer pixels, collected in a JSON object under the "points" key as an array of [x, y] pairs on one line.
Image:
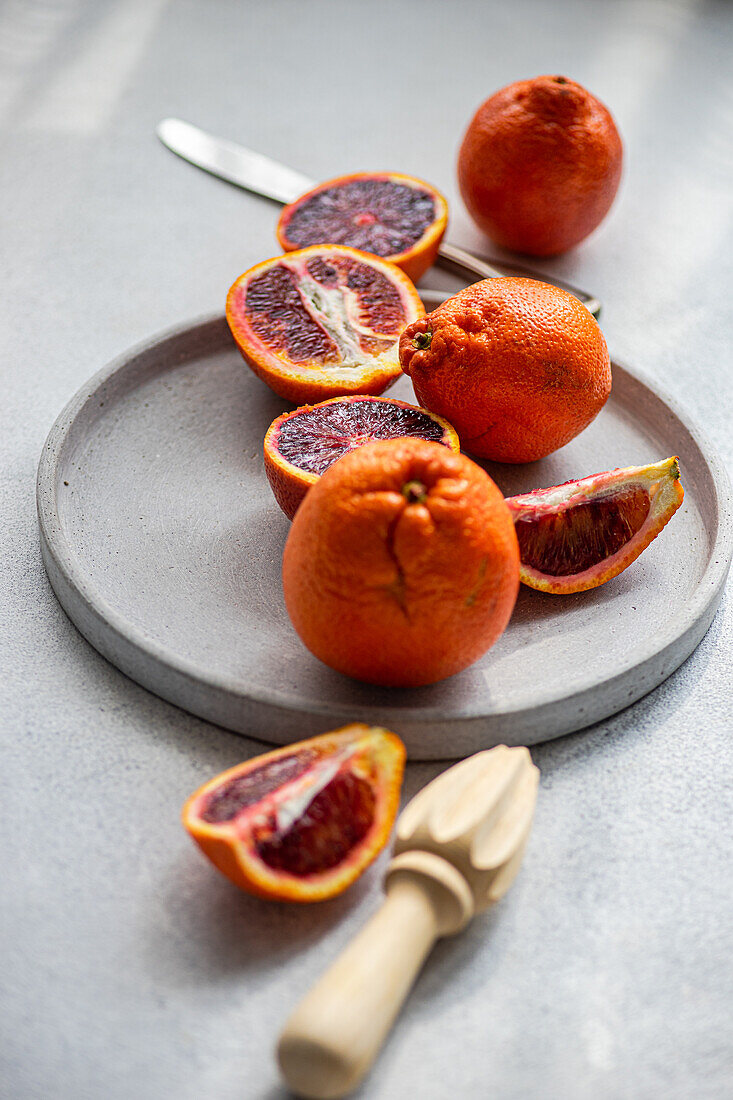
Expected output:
{"points": [[163, 543]]}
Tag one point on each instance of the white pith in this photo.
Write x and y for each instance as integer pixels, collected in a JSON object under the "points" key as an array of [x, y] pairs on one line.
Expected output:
{"points": [[329, 308], [289, 811], [594, 488], [298, 792], [336, 310], [296, 797]]}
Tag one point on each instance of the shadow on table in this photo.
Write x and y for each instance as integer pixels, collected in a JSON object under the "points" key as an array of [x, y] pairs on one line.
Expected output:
{"points": [[638, 721], [451, 963], [208, 929]]}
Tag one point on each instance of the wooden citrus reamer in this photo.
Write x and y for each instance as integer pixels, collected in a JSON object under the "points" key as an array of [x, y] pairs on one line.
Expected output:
{"points": [[459, 844]]}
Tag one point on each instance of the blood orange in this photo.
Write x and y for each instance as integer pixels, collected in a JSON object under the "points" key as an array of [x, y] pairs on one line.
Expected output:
{"points": [[540, 165], [301, 823], [576, 536], [517, 366], [301, 445], [322, 322], [394, 216], [402, 565]]}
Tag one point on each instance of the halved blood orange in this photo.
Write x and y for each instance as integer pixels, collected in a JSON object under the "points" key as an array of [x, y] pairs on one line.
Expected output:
{"points": [[397, 217], [322, 321], [301, 823], [576, 536], [301, 445]]}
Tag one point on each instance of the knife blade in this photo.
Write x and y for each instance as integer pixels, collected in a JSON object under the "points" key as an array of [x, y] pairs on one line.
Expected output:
{"points": [[263, 176], [232, 162]]}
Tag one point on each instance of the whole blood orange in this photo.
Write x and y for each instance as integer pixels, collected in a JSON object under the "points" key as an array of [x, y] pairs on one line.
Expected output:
{"points": [[576, 536], [518, 367], [402, 565], [302, 822], [540, 165], [301, 445], [322, 322], [394, 216]]}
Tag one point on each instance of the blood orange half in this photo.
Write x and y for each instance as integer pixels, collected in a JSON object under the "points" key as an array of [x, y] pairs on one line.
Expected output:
{"points": [[301, 445], [301, 823], [322, 322], [576, 536], [391, 215]]}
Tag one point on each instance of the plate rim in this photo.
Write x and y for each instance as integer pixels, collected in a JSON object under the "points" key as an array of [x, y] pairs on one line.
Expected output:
{"points": [[60, 555]]}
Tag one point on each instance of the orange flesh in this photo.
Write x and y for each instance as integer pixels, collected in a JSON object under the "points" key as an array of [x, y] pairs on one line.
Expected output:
{"points": [[315, 438], [572, 538], [337, 819], [301, 311], [375, 215], [245, 790], [302, 831]]}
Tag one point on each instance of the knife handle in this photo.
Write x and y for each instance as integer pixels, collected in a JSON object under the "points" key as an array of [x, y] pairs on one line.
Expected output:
{"points": [[334, 1034], [462, 262]]}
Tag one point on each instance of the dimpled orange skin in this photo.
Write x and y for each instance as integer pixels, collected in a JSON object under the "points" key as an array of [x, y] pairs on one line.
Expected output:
{"points": [[540, 165], [518, 367], [394, 590]]}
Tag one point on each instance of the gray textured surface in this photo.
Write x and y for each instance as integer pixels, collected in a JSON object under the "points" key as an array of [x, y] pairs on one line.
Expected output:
{"points": [[162, 542], [129, 967]]}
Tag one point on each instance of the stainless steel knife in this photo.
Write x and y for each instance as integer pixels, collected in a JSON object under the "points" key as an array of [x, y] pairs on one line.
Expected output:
{"points": [[257, 173]]}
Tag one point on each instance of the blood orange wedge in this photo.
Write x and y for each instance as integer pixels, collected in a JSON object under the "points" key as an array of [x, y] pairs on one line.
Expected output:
{"points": [[394, 216], [301, 823], [322, 322], [301, 445], [576, 536]]}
